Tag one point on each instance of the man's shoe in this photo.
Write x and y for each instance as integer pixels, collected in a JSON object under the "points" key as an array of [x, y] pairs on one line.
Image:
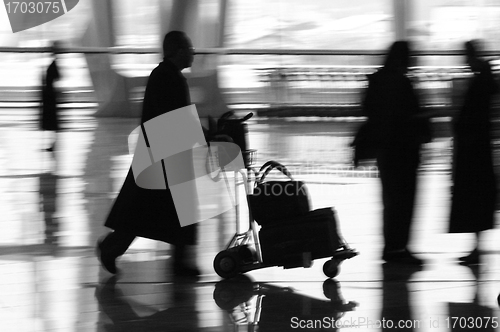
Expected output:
{"points": [[107, 262], [401, 257]]}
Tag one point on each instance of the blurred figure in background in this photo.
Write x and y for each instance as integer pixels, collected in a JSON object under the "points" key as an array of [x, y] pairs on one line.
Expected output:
{"points": [[396, 130], [49, 120], [474, 185]]}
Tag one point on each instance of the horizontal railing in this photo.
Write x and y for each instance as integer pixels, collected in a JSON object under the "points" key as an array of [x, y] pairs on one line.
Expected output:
{"points": [[236, 51]]}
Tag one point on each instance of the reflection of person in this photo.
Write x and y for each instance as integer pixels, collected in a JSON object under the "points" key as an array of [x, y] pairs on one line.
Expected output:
{"points": [[120, 310], [395, 298], [396, 132], [151, 213], [49, 120], [474, 185], [48, 200], [473, 311]]}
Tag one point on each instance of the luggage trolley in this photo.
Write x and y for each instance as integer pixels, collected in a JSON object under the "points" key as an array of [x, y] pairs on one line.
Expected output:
{"points": [[294, 241]]}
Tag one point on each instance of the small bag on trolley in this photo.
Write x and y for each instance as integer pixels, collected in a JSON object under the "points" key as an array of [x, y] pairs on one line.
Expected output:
{"points": [[274, 202]]}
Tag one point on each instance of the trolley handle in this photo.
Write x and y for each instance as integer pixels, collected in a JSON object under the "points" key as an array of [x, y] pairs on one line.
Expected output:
{"points": [[229, 114], [268, 167], [226, 117]]}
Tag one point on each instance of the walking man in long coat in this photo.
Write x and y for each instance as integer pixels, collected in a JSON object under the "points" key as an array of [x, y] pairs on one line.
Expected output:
{"points": [[151, 213]]}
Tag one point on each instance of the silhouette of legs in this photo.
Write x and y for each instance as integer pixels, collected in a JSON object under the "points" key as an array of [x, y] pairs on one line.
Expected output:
{"points": [[116, 244], [398, 174]]}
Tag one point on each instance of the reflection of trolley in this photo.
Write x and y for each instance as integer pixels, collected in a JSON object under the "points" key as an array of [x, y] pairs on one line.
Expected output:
{"points": [[294, 242], [265, 307]]}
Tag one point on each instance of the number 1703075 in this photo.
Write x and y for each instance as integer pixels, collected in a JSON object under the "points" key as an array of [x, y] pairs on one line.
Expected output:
{"points": [[39, 7], [472, 322]]}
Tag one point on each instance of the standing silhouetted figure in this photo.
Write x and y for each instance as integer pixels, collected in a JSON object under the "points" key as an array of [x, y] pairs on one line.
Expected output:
{"points": [[474, 185], [396, 132], [49, 120]]}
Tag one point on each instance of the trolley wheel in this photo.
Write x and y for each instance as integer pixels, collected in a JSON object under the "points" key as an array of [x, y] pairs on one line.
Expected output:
{"points": [[230, 293], [331, 268], [331, 289], [226, 264]]}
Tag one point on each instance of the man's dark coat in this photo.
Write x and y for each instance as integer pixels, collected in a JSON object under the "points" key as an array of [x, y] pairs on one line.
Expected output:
{"points": [[151, 213]]}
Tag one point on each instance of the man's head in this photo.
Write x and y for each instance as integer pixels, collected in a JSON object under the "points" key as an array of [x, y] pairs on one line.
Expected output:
{"points": [[177, 47]]}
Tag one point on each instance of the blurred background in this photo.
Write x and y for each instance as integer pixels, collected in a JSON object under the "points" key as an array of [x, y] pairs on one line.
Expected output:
{"points": [[290, 57], [301, 67]]}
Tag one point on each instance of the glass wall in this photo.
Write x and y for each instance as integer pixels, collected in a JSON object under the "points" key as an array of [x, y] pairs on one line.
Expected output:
{"points": [[446, 24], [286, 24], [318, 24], [137, 23]]}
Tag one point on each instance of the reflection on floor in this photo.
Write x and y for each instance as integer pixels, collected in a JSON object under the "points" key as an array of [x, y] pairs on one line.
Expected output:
{"points": [[53, 206]]}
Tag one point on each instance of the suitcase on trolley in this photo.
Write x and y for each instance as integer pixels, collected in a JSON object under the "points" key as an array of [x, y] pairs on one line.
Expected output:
{"points": [[308, 237]]}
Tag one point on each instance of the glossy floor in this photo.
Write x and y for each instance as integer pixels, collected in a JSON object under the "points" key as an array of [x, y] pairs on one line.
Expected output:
{"points": [[53, 206]]}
